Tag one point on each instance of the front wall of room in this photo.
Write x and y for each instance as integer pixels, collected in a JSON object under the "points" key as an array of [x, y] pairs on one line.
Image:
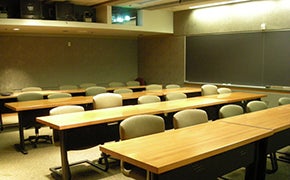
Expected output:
{"points": [[52, 61], [246, 17], [154, 52]]}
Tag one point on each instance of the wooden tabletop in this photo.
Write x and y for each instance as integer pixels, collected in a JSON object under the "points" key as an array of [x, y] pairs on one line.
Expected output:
{"points": [[48, 103], [67, 121], [93, 117], [72, 91], [275, 119], [237, 96], [171, 149]]}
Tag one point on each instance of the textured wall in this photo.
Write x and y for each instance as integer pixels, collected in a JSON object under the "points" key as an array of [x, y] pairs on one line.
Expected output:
{"points": [[161, 59], [50, 61], [234, 18]]}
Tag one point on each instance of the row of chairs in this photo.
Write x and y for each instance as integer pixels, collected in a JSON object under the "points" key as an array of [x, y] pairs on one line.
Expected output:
{"points": [[210, 89], [112, 84]]}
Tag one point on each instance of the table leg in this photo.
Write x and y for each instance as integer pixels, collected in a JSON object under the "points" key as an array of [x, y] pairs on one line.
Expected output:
{"points": [[1, 122], [257, 170], [21, 146], [66, 175]]}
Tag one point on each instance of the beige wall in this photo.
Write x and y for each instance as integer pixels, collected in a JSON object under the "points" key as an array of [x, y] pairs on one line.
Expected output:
{"points": [[161, 59], [234, 18], [49, 61]]}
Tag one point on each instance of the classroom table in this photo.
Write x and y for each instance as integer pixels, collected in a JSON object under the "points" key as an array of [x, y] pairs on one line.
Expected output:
{"points": [[94, 122], [204, 151], [129, 98], [276, 119], [32, 109], [41, 107]]}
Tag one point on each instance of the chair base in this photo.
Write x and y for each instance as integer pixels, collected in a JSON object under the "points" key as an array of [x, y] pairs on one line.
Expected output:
{"points": [[106, 160], [274, 164], [34, 140], [56, 170], [284, 157]]}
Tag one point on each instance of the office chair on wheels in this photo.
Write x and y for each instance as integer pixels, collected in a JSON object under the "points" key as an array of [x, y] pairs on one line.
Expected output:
{"points": [[107, 100], [256, 105], [30, 122], [137, 126]]}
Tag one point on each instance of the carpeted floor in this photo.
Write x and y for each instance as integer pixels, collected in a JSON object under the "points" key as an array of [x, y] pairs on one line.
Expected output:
{"points": [[35, 165]]}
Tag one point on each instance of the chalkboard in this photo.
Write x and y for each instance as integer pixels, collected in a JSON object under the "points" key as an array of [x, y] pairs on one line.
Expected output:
{"points": [[254, 59]]}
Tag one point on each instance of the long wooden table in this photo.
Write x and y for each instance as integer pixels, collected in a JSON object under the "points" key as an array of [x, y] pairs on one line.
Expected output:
{"points": [[204, 151], [94, 123], [75, 92], [128, 98], [187, 152], [275, 119], [36, 108]]}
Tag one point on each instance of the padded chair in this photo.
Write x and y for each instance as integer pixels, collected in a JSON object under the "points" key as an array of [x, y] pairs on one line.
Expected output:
{"points": [[230, 110], [283, 100], [64, 110], [153, 87], [208, 89], [137, 126], [224, 90], [189, 117], [175, 96], [133, 83], [256, 105], [123, 90], [171, 86], [92, 91], [30, 121], [68, 87], [26, 89], [86, 85], [116, 84], [106, 100], [58, 95], [148, 99]]}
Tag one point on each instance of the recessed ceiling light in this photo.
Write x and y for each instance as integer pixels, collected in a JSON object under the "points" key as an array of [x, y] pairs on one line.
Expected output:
{"points": [[16, 29]]}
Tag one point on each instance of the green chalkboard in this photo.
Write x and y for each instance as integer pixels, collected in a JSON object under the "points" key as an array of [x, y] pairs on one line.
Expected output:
{"points": [[254, 59]]}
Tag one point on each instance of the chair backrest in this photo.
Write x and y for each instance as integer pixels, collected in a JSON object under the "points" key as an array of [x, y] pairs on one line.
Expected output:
{"points": [[29, 96], [230, 110], [284, 100], [171, 86], [68, 87], [66, 109], [133, 83], [116, 84], [148, 99], [106, 100], [224, 90], [92, 91], [58, 95], [189, 117], [154, 87], [256, 106], [123, 90], [141, 125], [86, 85], [208, 89], [26, 89], [175, 96]]}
